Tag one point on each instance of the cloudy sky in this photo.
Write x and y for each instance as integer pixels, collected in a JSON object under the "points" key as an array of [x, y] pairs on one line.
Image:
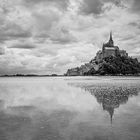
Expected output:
{"points": [[50, 36]]}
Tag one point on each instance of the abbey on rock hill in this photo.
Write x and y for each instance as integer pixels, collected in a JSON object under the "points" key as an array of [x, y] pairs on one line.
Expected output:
{"points": [[96, 64]]}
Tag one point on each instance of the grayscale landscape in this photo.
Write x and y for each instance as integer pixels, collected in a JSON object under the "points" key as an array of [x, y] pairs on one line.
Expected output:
{"points": [[69, 69]]}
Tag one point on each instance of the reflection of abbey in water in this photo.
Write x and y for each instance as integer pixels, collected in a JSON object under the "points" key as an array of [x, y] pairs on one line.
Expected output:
{"points": [[111, 98]]}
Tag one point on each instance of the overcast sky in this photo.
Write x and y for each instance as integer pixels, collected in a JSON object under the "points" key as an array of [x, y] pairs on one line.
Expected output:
{"points": [[50, 36]]}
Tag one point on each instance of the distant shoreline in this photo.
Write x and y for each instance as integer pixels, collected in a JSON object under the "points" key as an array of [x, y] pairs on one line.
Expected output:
{"points": [[31, 76], [70, 76]]}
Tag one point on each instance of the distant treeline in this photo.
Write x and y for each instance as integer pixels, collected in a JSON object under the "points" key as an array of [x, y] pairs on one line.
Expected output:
{"points": [[28, 75]]}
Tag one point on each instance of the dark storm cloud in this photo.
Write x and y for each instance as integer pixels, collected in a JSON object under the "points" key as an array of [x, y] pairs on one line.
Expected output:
{"points": [[13, 31], [63, 40], [91, 6], [2, 51], [60, 3], [95, 6], [23, 46], [136, 5], [135, 24]]}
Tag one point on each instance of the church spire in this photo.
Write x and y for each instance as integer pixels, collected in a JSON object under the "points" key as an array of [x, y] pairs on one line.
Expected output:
{"points": [[111, 42], [111, 36]]}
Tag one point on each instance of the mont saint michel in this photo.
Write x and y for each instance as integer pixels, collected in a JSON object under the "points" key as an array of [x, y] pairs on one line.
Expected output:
{"points": [[109, 60], [69, 69]]}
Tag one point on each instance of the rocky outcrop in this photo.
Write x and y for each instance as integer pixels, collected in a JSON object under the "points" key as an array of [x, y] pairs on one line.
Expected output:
{"points": [[82, 70]]}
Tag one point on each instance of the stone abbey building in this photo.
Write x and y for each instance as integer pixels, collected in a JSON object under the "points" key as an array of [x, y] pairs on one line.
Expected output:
{"points": [[109, 49]]}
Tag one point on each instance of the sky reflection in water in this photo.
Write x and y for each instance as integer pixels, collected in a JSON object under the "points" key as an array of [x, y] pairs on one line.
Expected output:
{"points": [[69, 108]]}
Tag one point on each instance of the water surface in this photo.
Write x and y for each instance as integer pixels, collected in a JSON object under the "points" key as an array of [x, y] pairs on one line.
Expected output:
{"points": [[70, 108]]}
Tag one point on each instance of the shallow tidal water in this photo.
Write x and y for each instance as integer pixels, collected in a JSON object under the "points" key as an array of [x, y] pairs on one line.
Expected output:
{"points": [[70, 108]]}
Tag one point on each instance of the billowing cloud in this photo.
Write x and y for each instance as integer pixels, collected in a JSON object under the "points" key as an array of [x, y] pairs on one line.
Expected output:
{"points": [[62, 36]]}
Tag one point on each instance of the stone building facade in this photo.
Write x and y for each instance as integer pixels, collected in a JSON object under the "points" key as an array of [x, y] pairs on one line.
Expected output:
{"points": [[109, 49]]}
